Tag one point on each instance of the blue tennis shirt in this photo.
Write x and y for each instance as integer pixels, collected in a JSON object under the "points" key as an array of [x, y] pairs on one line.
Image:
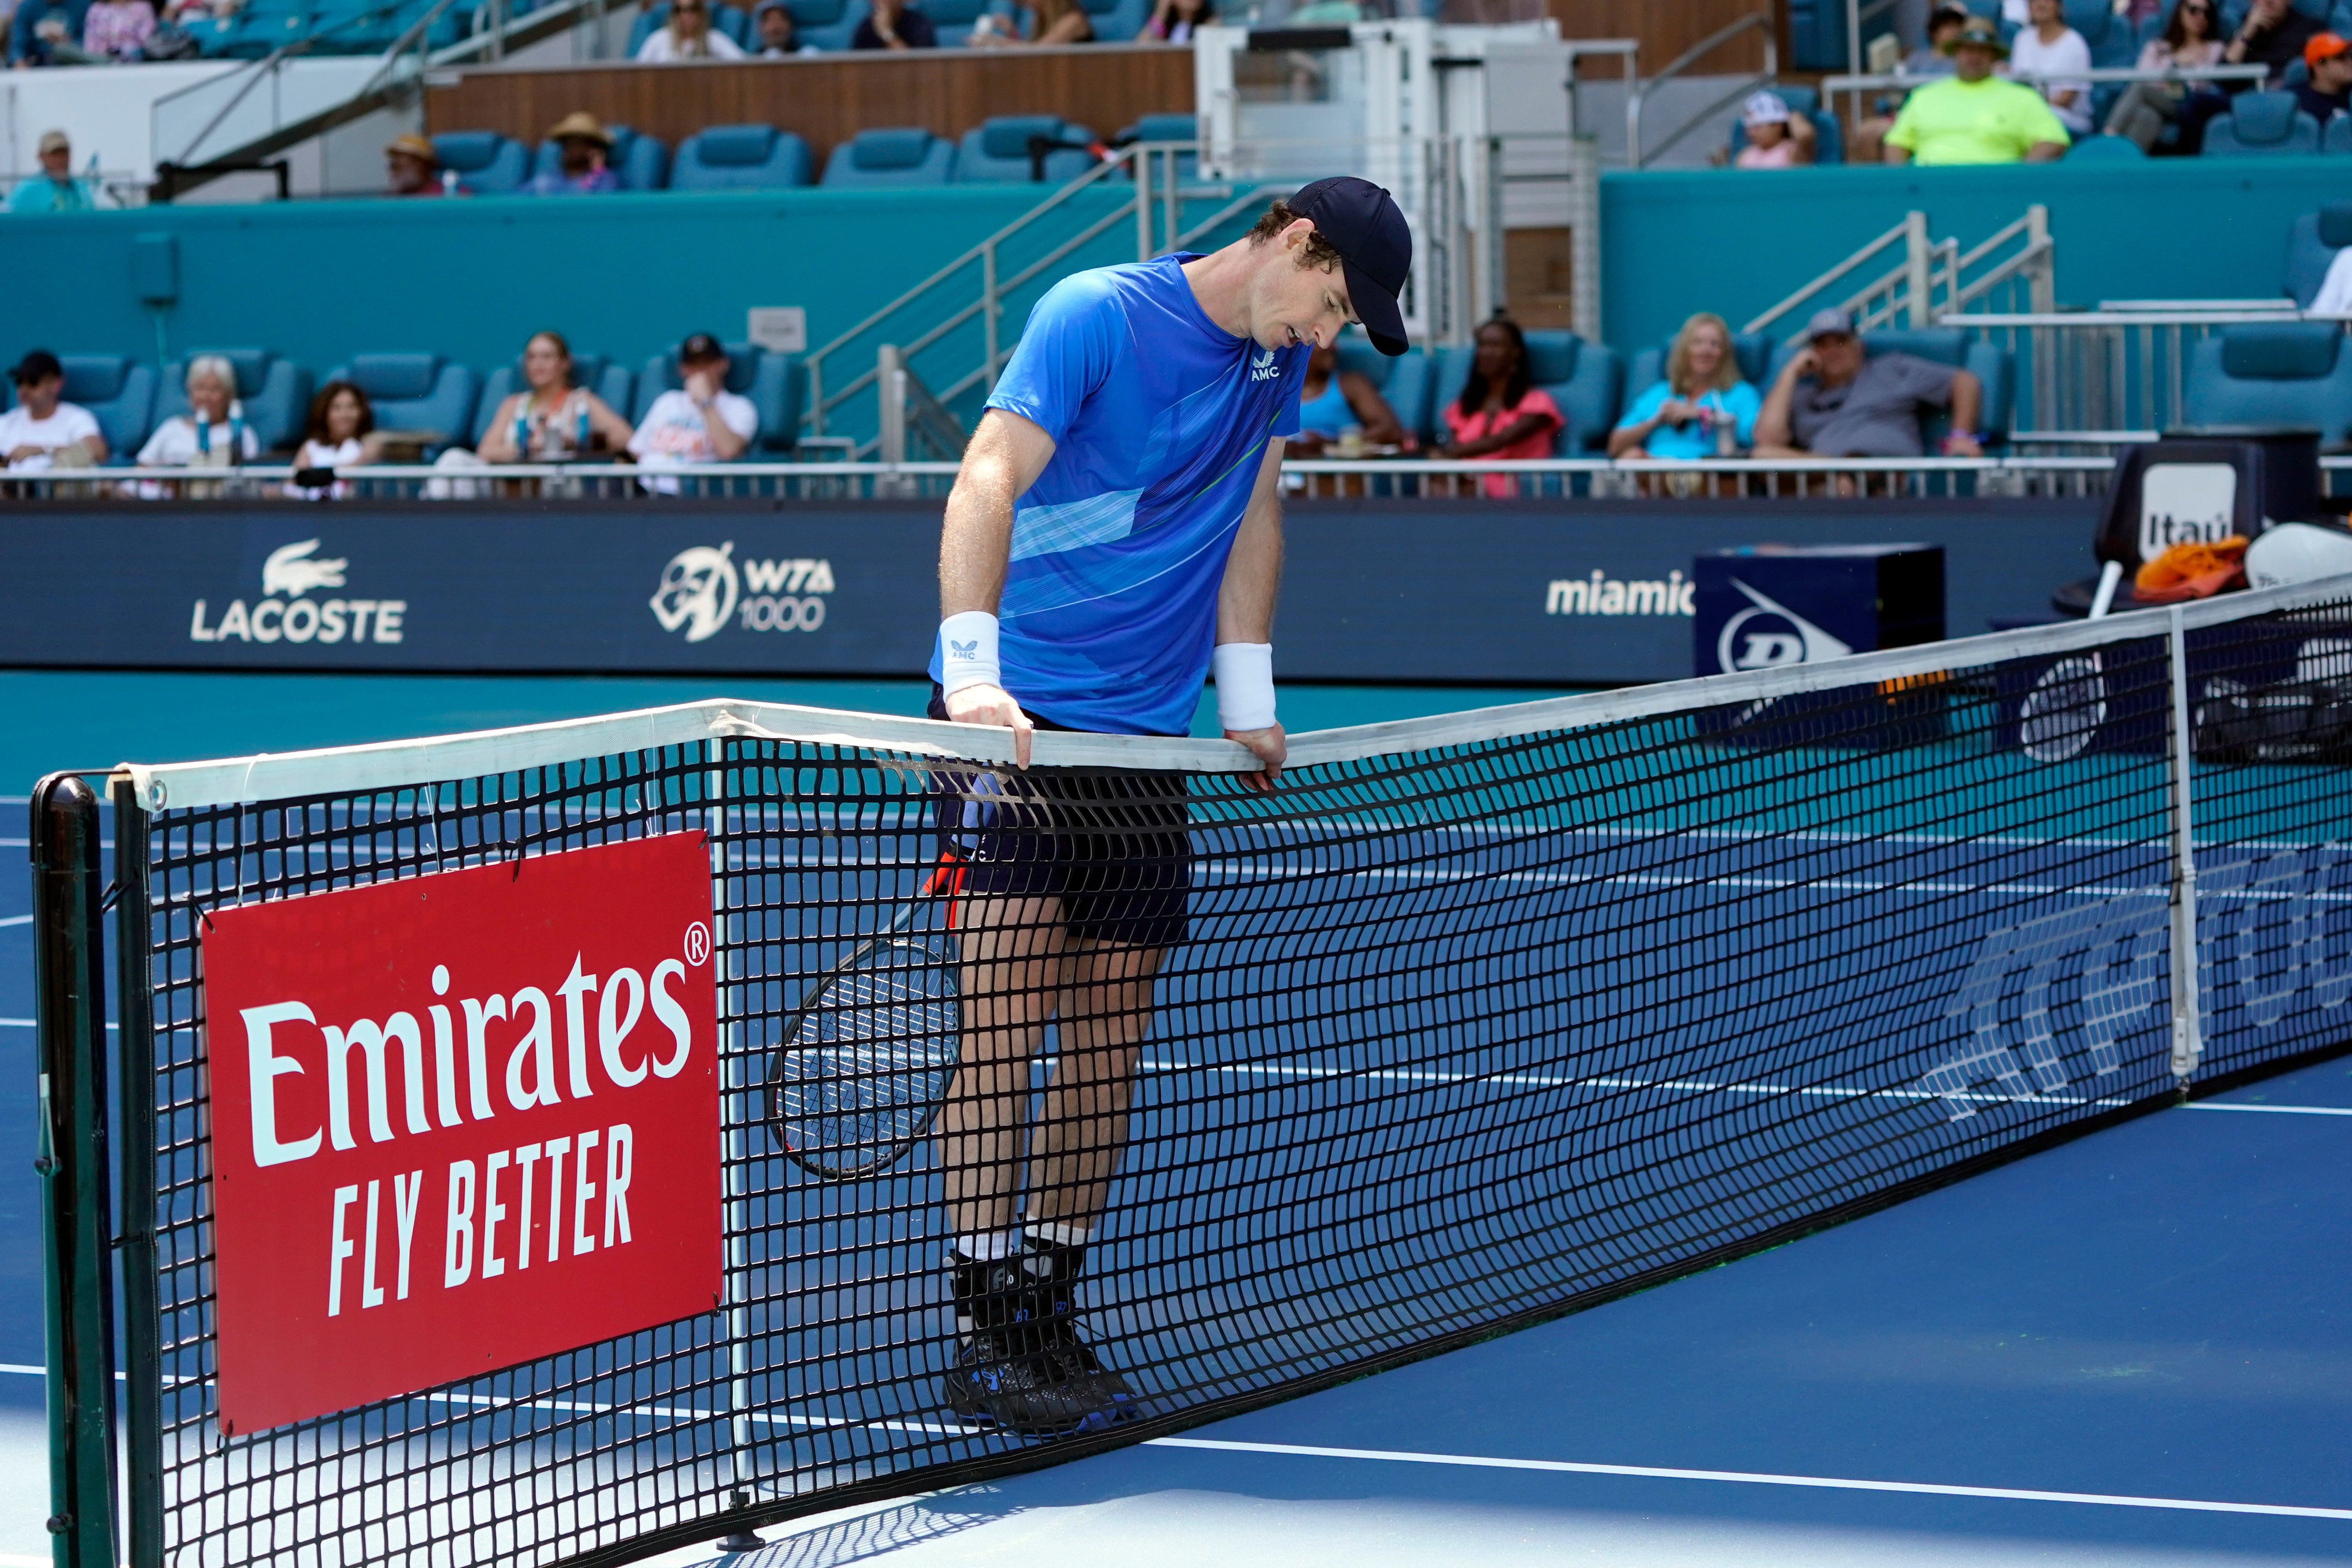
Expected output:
{"points": [[1160, 419]]}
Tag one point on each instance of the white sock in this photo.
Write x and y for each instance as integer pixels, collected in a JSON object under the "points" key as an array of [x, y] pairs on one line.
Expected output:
{"points": [[1061, 1232], [993, 1247]]}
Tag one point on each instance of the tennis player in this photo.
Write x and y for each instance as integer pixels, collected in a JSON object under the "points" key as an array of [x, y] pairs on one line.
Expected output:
{"points": [[1115, 534]]}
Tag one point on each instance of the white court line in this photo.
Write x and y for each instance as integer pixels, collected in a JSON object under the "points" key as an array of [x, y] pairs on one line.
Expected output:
{"points": [[16, 921], [1931, 1489], [2273, 1109], [29, 1024]]}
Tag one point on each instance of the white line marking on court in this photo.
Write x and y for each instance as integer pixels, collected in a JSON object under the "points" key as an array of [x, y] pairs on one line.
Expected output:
{"points": [[2273, 1109], [18, 1560], [27, 1024], [16, 920], [1931, 1489]]}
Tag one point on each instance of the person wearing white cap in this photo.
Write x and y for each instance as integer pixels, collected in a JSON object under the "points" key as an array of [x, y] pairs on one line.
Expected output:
{"points": [[1776, 138], [54, 190]]}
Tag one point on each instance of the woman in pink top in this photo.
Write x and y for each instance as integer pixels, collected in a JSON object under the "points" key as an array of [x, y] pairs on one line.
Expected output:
{"points": [[1499, 415]]}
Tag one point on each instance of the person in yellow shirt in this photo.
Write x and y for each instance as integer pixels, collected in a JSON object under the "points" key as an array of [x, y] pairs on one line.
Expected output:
{"points": [[1973, 116]]}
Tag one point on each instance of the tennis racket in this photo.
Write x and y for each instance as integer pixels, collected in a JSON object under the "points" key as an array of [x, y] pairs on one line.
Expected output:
{"points": [[864, 1062]]}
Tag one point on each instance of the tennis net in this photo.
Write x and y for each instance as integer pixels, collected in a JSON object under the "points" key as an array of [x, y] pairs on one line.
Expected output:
{"points": [[1475, 1021]]}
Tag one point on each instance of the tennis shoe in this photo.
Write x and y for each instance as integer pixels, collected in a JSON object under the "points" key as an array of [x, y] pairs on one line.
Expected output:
{"points": [[994, 1384]]}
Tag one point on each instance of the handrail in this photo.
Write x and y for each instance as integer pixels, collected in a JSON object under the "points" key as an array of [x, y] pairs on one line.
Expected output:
{"points": [[1859, 82], [1761, 21], [2146, 318], [2035, 227], [1892, 235]]}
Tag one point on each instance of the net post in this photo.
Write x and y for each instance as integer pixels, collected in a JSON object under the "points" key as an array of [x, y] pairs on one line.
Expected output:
{"points": [[2187, 1037], [69, 1013], [134, 1044]]}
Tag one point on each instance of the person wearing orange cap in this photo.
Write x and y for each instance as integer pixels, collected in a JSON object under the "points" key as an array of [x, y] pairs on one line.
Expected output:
{"points": [[2329, 92]]}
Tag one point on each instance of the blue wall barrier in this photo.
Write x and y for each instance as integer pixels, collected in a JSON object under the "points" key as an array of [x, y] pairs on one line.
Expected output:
{"points": [[1470, 592]]}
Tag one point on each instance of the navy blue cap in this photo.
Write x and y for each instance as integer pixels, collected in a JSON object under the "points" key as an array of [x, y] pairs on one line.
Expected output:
{"points": [[1362, 224]]}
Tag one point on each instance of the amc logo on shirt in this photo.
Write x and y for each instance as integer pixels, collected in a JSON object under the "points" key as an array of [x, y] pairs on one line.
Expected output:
{"points": [[459, 1122]]}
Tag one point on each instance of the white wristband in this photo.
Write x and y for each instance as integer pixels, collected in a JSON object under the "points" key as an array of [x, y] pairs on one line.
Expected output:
{"points": [[967, 651], [1245, 672]]}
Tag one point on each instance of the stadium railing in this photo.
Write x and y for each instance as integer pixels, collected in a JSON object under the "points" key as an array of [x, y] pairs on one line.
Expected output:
{"points": [[1854, 86], [1487, 1018]]}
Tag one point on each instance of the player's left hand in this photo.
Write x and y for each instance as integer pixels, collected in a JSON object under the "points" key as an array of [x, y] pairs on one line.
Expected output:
{"points": [[1271, 747]]}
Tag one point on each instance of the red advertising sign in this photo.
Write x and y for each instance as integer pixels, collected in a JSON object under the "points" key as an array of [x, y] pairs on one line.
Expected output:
{"points": [[460, 1121]]}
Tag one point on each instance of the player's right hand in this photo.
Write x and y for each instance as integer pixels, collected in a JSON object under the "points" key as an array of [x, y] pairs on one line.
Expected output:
{"points": [[993, 706]]}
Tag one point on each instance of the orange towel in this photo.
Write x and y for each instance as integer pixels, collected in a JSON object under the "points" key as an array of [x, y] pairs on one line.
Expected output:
{"points": [[2192, 570]]}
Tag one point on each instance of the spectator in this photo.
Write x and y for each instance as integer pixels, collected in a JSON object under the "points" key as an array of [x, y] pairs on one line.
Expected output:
{"points": [[41, 29], [54, 190], [115, 30], [1832, 400], [581, 145], [1499, 415], [550, 420], [1932, 58], [1332, 401], [411, 168], [2329, 90], [687, 36], [2273, 34], [1973, 116], [780, 35], [1173, 21], [1702, 409], [895, 25], [1048, 22], [2188, 43], [42, 431], [702, 422], [1776, 138], [339, 434], [212, 434], [2053, 53], [2334, 296]]}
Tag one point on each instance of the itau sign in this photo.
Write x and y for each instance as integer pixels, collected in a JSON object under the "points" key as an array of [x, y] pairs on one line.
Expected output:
{"points": [[459, 1122]]}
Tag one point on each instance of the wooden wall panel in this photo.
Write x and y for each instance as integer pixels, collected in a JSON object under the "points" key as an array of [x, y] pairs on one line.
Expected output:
{"points": [[1665, 29], [828, 98]]}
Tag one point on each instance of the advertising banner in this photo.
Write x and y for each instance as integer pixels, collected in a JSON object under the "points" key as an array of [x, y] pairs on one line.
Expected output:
{"points": [[460, 1121]]}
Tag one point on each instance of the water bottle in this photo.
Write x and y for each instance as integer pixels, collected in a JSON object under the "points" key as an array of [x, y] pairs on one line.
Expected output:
{"points": [[204, 434], [580, 430], [522, 429], [1727, 433]]}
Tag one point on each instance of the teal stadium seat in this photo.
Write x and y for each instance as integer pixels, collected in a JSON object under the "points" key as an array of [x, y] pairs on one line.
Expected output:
{"points": [[276, 394], [2105, 149], [2281, 373], [1989, 363], [415, 391], [776, 384], [953, 18], [2261, 125], [895, 155], [1116, 21], [1753, 349], [732, 20], [641, 162], [1166, 128], [740, 157], [2311, 244], [485, 162], [119, 394], [614, 383], [829, 25], [1406, 380], [2336, 136], [1585, 379], [997, 151]]}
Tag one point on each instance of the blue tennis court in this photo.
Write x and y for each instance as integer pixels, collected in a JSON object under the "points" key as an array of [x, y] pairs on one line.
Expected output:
{"points": [[2147, 1320]]}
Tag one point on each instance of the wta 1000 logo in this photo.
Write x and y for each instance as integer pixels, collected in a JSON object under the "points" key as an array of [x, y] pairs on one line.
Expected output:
{"points": [[702, 589]]}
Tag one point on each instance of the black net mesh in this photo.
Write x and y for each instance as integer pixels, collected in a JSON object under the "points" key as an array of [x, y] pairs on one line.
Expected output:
{"points": [[1425, 1044]]}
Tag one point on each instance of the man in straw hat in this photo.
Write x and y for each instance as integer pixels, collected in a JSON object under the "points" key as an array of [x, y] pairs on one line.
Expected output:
{"points": [[1973, 116], [582, 147], [411, 168], [54, 189]]}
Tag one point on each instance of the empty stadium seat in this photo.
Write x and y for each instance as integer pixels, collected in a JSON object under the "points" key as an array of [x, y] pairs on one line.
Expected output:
{"points": [[415, 391], [740, 157], [2336, 136], [897, 156], [2103, 148], [276, 394], [484, 160], [953, 18], [776, 384], [639, 162], [1753, 349], [2261, 125], [1585, 379], [614, 383], [2284, 373], [1407, 380], [2312, 245], [119, 394], [1166, 128], [1116, 21], [998, 151], [829, 25], [732, 20]]}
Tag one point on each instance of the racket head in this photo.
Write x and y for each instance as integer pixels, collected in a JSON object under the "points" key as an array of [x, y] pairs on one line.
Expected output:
{"points": [[2062, 715], [864, 1062]]}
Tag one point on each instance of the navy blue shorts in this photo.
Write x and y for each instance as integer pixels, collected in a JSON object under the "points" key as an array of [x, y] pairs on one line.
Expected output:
{"points": [[1113, 848]]}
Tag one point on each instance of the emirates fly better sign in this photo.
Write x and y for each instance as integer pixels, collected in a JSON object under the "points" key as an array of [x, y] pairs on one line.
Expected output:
{"points": [[459, 1122]]}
